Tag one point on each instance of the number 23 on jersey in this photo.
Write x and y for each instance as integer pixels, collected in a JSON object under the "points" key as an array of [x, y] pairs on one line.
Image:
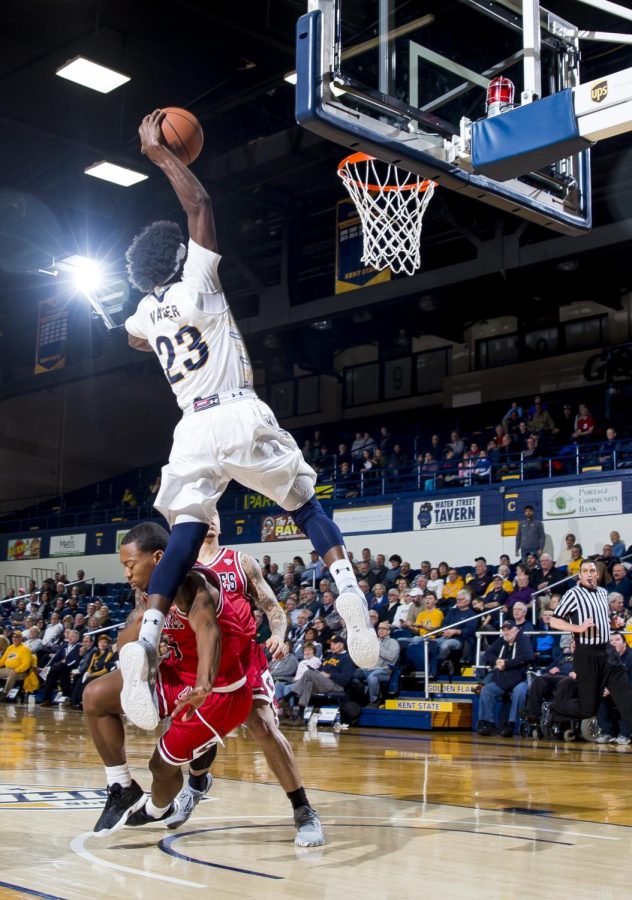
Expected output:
{"points": [[190, 338]]}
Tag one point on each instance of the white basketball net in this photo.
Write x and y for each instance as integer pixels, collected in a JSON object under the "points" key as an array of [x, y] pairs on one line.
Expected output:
{"points": [[391, 206]]}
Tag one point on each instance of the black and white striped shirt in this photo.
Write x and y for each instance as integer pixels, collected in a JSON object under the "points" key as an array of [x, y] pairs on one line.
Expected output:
{"points": [[581, 603]]}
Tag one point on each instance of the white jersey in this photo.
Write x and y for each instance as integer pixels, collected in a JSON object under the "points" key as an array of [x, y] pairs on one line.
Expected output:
{"points": [[191, 329]]}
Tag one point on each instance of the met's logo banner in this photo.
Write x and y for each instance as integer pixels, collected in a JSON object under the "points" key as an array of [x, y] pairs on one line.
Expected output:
{"points": [[67, 545], [52, 336], [448, 512]]}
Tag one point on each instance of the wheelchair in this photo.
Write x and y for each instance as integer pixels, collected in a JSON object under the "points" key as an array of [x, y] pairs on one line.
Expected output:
{"points": [[568, 730]]}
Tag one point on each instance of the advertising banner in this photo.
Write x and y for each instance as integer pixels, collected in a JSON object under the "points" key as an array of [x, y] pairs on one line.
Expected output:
{"points": [[24, 548], [365, 518], [52, 334], [448, 512], [279, 528], [602, 498], [67, 545]]}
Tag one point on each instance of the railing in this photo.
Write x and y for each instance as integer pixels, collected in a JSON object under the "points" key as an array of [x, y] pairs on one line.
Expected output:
{"points": [[38, 592], [119, 626], [430, 634], [547, 590], [572, 459], [483, 634]]}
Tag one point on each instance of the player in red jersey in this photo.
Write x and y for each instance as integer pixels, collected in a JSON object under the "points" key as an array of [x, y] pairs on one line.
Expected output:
{"points": [[202, 686], [242, 580]]}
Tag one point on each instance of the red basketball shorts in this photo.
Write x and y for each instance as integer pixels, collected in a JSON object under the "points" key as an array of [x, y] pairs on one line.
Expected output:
{"points": [[218, 715]]}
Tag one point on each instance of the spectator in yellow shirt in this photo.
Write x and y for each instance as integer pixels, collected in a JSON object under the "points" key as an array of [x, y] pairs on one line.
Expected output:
{"points": [[430, 618], [14, 663], [453, 585], [507, 583]]}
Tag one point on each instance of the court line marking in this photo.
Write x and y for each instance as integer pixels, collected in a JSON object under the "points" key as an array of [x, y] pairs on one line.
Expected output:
{"points": [[31, 891], [508, 837], [77, 846], [166, 846], [561, 832], [474, 809]]}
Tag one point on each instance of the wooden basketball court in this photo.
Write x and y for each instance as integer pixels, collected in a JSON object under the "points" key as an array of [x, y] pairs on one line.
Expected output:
{"points": [[405, 814]]}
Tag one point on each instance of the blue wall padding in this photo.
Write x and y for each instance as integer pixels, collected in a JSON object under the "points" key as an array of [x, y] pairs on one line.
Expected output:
{"points": [[526, 139]]}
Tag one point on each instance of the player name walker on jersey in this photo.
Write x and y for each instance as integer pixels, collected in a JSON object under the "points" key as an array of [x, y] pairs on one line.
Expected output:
{"points": [[190, 326], [163, 312]]}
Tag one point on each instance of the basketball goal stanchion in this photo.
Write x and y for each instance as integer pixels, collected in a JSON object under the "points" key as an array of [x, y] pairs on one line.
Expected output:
{"points": [[391, 203]]}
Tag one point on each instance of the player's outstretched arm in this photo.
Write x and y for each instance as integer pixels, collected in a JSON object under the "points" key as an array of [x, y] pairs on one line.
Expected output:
{"points": [[264, 599], [190, 192]]}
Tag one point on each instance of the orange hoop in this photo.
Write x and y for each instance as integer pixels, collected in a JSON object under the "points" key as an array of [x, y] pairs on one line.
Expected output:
{"points": [[364, 157]]}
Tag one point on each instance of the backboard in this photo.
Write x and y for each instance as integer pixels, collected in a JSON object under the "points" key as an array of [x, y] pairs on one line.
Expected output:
{"points": [[407, 82]]}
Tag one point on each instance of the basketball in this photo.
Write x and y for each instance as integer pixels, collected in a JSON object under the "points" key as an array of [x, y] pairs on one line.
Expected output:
{"points": [[183, 134]]}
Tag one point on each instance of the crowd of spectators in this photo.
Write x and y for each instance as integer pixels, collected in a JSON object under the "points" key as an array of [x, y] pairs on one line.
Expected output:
{"points": [[410, 606], [407, 604], [528, 442], [46, 640]]}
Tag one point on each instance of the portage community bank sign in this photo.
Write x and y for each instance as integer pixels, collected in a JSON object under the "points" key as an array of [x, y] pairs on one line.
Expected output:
{"points": [[596, 499]]}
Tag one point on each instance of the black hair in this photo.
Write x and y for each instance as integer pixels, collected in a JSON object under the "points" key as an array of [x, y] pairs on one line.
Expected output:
{"points": [[151, 257], [148, 537]]}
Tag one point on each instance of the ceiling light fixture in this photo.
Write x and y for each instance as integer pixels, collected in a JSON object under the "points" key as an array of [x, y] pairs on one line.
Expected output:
{"points": [[92, 75], [116, 174]]}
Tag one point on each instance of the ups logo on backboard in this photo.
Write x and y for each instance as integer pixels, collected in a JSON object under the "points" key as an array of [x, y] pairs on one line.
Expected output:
{"points": [[599, 92]]}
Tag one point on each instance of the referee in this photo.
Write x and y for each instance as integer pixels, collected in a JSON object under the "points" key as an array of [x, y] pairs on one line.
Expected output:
{"points": [[584, 611]]}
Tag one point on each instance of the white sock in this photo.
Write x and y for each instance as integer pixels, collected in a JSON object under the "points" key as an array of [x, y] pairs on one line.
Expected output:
{"points": [[343, 574], [118, 775], [155, 811], [151, 629]]}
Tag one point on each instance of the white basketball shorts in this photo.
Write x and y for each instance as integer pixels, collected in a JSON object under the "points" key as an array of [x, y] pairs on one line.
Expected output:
{"points": [[240, 440]]}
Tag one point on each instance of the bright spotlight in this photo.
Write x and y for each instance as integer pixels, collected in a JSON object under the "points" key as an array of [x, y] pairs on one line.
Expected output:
{"points": [[86, 273]]}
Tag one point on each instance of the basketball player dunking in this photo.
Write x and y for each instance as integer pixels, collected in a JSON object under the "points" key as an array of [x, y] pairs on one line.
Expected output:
{"points": [[225, 432]]}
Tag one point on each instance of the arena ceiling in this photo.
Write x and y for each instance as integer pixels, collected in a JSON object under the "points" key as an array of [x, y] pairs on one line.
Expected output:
{"points": [[273, 184]]}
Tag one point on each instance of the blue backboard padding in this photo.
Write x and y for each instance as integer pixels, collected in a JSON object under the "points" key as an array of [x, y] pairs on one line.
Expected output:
{"points": [[526, 139]]}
